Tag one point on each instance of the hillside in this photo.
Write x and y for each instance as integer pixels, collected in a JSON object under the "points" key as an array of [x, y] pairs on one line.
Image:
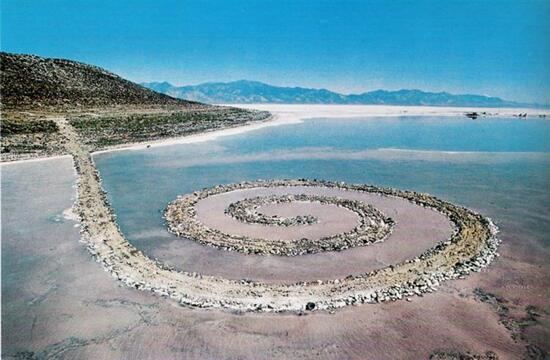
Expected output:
{"points": [[103, 109], [35, 82], [248, 92]]}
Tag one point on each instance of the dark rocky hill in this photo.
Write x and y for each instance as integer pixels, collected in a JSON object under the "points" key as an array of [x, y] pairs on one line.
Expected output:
{"points": [[32, 82]]}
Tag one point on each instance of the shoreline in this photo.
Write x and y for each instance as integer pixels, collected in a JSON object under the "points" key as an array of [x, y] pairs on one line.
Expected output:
{"points": [[25, 161], [283, 114], [207, 135]]}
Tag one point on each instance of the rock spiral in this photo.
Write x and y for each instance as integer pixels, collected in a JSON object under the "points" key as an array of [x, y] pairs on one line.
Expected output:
{"points": [[472, 247]]}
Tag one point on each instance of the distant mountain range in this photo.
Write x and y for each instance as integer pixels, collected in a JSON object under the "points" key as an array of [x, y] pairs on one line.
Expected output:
{"points": [[248, 92]]}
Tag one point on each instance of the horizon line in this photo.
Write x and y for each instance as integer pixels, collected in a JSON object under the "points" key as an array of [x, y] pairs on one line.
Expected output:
{"points": [[345, 94]]}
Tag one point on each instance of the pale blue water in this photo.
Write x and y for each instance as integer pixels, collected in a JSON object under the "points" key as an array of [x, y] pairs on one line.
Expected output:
{"points": [[420, 133], [500, 167]]}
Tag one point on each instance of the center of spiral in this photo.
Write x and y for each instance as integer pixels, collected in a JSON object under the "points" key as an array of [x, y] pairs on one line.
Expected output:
{"points": [[246, 211], [371, 224]]}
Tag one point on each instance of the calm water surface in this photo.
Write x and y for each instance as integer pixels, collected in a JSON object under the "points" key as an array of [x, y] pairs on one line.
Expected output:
{"points": [[498, 166]]}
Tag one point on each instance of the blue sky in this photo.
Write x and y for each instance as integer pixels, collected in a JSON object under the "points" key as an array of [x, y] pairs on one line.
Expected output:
{"points": [[499, 48]]}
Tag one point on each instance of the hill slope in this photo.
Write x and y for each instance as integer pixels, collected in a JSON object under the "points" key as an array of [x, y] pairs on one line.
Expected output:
{"points": [[33, 82], [244, 91], [103, 109]]}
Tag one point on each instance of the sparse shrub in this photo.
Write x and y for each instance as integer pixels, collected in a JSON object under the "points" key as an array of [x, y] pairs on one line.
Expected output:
{"points": [[15, 127]]}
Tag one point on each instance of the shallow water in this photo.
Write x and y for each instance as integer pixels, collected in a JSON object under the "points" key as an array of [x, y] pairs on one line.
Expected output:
{"points": [[497, 166], [58, 303]]}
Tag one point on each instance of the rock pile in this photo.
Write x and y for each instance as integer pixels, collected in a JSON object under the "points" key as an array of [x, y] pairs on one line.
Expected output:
{"points": [[245, 211]]}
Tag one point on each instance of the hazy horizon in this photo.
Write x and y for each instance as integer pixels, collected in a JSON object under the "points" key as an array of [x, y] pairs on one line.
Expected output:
{"points": [[331, 90]]}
